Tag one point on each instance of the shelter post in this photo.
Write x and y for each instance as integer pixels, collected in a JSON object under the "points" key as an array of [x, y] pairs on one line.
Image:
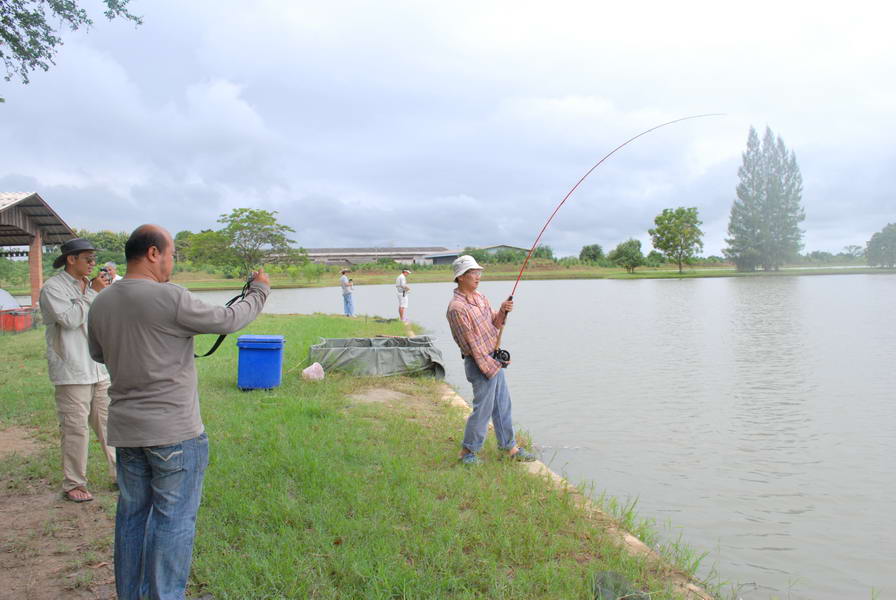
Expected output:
{"points": [[35, 264]]}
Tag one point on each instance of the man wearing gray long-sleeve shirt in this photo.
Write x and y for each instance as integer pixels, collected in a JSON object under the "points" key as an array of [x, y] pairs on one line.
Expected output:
{"points": [[142, 328]]}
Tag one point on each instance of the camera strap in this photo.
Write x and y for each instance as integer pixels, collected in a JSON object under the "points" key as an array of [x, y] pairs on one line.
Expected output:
{"points": [[221, 337]]}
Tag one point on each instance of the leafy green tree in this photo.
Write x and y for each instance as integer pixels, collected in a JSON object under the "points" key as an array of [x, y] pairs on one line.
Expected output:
{"points": [[591, 253], [765, 217], [28, 30], [854, 251], [543, 251], [313, 272], [677, 234], [210, 248], [507, 255], [109, 245], [255, 237], [480, 256], [881, 248], [820, 256], [182, 244], [628, 255], [106, 240], [13, 273], [654, 259]]}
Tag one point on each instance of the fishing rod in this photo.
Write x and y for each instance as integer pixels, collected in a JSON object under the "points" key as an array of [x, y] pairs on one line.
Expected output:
{"points": [[505, 353]]}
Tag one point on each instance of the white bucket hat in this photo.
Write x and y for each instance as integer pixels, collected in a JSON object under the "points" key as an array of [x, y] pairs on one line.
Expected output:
{"points": [[464, 263]]}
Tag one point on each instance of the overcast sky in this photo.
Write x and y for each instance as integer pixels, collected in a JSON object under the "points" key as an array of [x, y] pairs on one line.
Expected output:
{"points": [[457, 123]]}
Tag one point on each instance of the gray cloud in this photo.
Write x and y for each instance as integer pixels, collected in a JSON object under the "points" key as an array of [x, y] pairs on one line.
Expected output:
{"points": [[410, 124]]}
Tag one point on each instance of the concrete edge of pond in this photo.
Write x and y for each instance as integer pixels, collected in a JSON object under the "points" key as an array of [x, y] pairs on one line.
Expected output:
{"points": [[626, 540]]}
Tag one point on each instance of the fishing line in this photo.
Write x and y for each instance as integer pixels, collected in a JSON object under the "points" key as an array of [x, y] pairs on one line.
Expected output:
{"points": [[608, 155], [505, 356]]}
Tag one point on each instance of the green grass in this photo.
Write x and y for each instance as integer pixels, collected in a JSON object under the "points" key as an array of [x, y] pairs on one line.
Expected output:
{"points": [[312, 495]]}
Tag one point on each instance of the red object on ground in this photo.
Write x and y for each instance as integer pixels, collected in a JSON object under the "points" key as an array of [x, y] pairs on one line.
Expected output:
{"points": [[15, 319]]}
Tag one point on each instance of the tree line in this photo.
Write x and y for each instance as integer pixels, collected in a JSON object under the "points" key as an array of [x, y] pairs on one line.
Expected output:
{"points": [[763, 233], [764, 223]]}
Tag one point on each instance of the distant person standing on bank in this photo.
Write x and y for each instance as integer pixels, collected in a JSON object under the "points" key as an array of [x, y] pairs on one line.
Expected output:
{"points": [[348, 304], [401, 286], [82, 399]]}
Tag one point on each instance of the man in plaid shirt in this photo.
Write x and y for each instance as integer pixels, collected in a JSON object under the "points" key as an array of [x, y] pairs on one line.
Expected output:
{"points": [[474, 327]]}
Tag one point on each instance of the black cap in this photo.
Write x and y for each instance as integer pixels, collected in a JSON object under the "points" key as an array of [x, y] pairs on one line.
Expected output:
{"points": [[71, 247]]}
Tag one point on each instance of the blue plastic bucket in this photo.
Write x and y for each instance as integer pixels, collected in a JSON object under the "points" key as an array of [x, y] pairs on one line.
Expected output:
{"points": [[260, 361]]}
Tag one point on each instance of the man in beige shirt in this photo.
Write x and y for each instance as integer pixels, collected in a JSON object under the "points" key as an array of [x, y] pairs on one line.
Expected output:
{"points": [[81, 384]]}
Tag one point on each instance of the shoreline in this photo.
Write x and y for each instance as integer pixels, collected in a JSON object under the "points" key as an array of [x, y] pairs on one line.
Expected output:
{"points": [[428, 274], [631, 543]]}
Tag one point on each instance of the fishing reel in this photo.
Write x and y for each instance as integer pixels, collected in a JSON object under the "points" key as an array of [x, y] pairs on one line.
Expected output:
{"points": [[502, 356]]}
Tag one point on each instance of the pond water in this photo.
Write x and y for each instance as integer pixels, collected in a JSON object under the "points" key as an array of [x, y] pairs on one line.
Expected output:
{"points": [[755, 416]]}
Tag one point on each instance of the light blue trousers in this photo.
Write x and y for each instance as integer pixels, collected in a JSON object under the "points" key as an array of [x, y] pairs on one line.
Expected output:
{"points": [[491, 400], [348, 305]]}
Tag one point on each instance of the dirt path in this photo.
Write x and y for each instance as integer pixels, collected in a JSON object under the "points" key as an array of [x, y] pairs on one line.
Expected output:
{"points": [[51, 548]]}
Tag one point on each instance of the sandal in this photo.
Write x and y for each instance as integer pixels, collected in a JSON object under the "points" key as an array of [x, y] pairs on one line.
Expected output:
{"points": [[522, 455], [68, 495], [470, 459]]}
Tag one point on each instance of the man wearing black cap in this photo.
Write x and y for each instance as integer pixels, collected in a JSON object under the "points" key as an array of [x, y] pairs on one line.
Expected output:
{"points": [[82, 385]]}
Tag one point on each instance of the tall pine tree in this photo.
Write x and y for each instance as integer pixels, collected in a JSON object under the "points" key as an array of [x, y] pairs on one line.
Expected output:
{"points": [[765, 217]]}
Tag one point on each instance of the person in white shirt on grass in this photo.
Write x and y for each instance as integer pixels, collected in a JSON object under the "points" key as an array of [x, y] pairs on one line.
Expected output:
{"points": [[348, 287], [401, 286]]}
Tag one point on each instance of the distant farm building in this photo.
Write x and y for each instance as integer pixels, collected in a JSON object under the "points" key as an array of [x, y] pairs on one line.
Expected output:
{"points": [[356, 256], [446, 258]]}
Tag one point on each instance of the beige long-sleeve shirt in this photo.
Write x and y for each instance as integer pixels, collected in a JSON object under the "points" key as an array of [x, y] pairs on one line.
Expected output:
{"points": [[64, 308], [143, 331]]}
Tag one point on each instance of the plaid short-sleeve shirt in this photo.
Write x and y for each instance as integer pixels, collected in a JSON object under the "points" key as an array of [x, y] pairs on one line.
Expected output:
{"points": [[473, 326]]}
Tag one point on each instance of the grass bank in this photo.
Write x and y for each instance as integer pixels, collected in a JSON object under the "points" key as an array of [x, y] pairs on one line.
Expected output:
{"points": [[347, 488]]}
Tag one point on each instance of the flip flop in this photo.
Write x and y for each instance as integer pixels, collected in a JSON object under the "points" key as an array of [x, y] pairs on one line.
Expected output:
{"points": [[68, 495], [522, 455], [470, 460]]}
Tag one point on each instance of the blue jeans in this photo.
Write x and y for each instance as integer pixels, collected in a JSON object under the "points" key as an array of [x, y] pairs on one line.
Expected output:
{"points": [[491, 400], [159, 492], [348, 305]]}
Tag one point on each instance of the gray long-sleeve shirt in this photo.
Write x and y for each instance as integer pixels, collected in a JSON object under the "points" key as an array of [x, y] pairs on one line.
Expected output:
{"points": [[143, 331]]}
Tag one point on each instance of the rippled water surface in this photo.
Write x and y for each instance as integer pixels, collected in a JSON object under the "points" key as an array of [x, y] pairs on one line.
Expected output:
{"points": [[756, 415]]}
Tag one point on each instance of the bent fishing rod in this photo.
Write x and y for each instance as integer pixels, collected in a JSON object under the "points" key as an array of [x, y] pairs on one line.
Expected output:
{"points": [[505, 353]]}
